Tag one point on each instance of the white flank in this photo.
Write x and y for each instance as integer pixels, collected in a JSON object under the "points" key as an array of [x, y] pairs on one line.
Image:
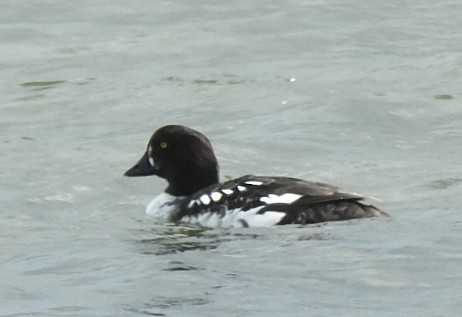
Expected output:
{"points": [[267, 219], [162, 206], [236, 218], [287, 198]]}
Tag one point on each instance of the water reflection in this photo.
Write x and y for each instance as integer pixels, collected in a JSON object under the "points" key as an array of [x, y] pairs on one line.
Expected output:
{"points": [[169, 239]]}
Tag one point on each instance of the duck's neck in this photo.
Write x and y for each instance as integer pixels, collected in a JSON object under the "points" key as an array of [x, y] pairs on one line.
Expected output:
{"points": [[192, 180]]}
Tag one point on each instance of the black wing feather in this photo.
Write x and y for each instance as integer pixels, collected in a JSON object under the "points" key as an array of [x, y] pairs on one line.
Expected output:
{"points": [[319, 202]]}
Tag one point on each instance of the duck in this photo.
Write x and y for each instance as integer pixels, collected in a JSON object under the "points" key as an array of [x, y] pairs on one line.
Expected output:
{"points": [[185, 158]]}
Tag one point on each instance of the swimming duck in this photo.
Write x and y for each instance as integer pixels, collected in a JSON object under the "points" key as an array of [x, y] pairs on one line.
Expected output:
{"points": [[185, 159]]}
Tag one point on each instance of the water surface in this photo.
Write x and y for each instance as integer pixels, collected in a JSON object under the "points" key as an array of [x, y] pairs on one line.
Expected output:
{"points": [[362, 95]]}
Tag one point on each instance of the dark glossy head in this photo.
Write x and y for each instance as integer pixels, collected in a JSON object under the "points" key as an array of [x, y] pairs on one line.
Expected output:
{"points": [[183, 156]]}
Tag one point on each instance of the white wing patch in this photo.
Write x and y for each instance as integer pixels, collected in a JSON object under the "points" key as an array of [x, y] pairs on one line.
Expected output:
{"points": [[241, 188], [205, 199], [287, 198], [216, 196], [255, 183], [192, 203], [227, 191]]}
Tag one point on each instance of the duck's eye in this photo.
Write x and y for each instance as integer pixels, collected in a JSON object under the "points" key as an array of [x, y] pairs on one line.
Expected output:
{"points": [[163, 145]]}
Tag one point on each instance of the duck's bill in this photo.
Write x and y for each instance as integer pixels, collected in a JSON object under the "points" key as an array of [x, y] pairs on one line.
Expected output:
{"points": [[142, 168]]}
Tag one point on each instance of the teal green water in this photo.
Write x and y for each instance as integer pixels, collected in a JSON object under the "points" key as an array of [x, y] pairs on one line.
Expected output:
{"points": [[362, 95]]}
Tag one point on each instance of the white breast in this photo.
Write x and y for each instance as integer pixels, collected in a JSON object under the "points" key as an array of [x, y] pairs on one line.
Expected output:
{"points": [[162, 206]]}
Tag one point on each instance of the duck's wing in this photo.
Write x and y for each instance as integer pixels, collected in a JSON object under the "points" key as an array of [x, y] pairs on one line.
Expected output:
{"points": [[285, 200]]}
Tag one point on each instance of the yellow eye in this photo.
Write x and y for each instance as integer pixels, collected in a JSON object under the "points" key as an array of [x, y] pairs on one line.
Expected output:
{"points": [[163, 145]]}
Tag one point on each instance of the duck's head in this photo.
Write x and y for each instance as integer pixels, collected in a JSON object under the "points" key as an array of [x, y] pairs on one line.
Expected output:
{"points": [[182, 156]]}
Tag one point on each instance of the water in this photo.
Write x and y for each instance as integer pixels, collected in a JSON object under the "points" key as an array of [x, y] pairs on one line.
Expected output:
{"points": [[362, 95]]}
